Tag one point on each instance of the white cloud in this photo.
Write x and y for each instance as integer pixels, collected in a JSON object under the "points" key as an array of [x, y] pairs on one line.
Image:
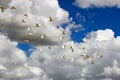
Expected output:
{"points": [[64, 61], [101, 35], [60, 63], [113, 71], [18, 26], [97, 3], [13, 63]]}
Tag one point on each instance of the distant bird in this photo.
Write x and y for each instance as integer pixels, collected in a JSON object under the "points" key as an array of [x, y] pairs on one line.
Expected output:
{"points": [[26, 41], [98, 55], [87, 56], [63, 33], [2, 8], [28, 28], [71, 59], [71, 48], [62, 56], [82, 48], [43, 36], [26, 15], [37, 25], [29, 34], [82, 55], [13, 7], [63, 46], [92, 62], [23, 21], [84, 40], [49, 47], [76, 30], [61, 37], [50, 18], [86, 50]]}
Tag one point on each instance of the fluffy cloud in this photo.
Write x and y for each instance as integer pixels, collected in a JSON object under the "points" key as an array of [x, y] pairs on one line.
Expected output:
{"points": [[97, 3], [114, 70], [65, 62], [13, 63], [25, 20]]}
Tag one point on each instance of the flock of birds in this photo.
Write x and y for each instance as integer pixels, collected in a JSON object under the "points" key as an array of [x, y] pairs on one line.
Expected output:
{"points": [[44, 36], [84, 55]]}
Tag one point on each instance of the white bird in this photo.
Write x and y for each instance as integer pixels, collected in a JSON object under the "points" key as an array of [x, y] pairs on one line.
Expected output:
{"points": [[26, 15], [50, 18], [2, 8], [37, 25], [13, 7], [43, 36], [71, 59]]}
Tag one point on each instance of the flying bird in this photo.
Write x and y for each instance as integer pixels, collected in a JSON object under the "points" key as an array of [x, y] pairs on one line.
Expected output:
{"points": [[63, 46], [63, 33], [71, 59], [37, 25], [92, 62], [26, 41], [71, 48], [23, 21], [13, 7], [61, 37], [49, 47], [62, 56], [76, 30], [98, 55], [87, 56], [43, 36], [28, 28], [84, 40], [86, 50], [82, 48], [26, 15], [2, 8], [29, 34], [82, 55], [50, 18]]}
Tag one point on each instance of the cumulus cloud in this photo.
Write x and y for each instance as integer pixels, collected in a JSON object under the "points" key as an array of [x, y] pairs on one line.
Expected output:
{"points": [[29, 20], [97, 3], [66, 61], [13, 63], [114, 70], [97, 58]]}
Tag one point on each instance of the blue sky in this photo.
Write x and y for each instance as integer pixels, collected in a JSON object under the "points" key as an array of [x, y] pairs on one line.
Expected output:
{"points": [[104, 18], [95, 19]]}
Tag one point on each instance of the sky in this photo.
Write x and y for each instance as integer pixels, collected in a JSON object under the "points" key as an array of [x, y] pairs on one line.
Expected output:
{"points": [[59, 39], [103, 18]]}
